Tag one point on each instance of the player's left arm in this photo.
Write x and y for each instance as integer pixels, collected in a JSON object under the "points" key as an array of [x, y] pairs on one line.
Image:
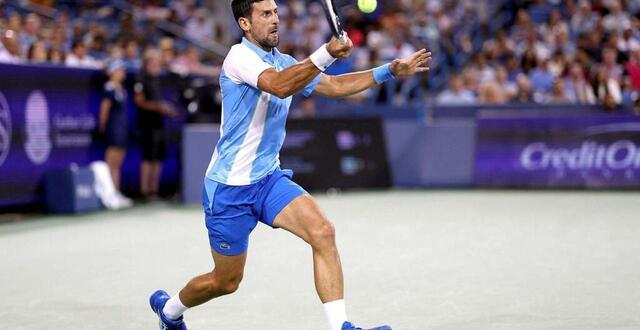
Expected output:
{"points": [[354, 83]]}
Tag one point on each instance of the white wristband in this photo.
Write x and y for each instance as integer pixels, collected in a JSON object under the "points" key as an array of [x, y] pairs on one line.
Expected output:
{"points": [[321, 58]]}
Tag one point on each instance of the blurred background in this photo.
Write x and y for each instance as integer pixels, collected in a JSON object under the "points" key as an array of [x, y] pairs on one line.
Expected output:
{"points": [[498, 191], [522, 94]]}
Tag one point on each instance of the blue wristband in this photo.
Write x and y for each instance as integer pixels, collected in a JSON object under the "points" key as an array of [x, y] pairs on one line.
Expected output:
{"points": [[383, 73]]}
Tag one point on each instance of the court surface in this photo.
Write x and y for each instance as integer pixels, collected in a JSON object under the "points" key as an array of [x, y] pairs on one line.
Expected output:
{"points": [[415, 260]]}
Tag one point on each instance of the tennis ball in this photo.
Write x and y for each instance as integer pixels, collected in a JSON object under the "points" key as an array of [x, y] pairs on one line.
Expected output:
{"points": [[367, 6]]}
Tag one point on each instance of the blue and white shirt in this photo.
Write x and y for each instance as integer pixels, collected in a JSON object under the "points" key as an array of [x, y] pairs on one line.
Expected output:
{"points": [[253, 122]]}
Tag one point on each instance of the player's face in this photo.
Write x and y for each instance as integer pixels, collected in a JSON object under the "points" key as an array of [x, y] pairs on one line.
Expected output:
{"points": [[264, 24]]}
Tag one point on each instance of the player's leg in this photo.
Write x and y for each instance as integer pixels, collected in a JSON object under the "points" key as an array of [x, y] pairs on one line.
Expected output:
{"points": [[229, 218], [303, 218], [289, 207], [223, 280], [286, 205]]}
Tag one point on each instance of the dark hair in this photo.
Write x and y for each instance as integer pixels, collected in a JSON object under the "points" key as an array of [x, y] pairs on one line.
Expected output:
{"points": [[77, 43], [243, 8], [31, 50]]}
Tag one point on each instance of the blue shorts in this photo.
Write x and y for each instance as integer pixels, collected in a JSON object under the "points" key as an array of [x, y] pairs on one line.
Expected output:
{"points": [[232, 212]]}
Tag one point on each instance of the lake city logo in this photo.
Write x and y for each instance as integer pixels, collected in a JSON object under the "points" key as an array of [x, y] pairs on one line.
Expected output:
{"points": [[5, 129], [38, 143]]}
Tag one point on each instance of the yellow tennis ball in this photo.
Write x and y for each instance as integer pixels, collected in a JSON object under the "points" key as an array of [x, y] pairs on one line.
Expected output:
{"points": [[367, 6]]}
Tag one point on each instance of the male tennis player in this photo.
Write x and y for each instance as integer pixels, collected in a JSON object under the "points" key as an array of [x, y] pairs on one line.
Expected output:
{"points": [[244, 184]]}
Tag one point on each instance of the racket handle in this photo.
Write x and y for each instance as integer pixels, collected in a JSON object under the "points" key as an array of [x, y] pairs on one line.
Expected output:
{"points": [[343, 38]]}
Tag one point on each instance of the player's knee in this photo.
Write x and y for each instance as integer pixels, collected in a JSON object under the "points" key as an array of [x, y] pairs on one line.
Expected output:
{"points": [[226, 285], [323, 235], [230, 287]]}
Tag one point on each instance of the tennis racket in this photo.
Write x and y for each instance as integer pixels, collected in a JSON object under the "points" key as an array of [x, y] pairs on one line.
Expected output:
{"points": [[331, 13]]}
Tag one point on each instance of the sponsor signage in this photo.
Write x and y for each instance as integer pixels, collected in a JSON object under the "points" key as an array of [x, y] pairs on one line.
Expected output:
{"points": [[578, 150], [336, 153], [48, 120]]}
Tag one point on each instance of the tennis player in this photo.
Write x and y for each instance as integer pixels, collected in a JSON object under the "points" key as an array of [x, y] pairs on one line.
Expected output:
{"points": [[244, 184]]}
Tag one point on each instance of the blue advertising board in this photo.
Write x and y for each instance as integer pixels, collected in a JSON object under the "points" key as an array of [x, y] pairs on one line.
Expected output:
{"points": [[48, 120], [546, 150]]}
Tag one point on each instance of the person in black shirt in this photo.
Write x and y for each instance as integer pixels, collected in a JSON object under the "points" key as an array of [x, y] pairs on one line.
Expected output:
{"points": [[151, 112], [113, 120]]}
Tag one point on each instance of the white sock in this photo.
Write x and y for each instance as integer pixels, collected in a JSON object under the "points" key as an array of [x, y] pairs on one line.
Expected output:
{"points": [[336, 313], [174, 308]]}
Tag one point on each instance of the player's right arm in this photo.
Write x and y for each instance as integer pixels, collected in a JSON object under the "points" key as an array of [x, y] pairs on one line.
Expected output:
{"points": [[296, 77], [244, 66]]}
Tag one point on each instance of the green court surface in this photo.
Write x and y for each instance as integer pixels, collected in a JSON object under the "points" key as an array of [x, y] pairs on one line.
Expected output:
{"points": [[415, 259]]}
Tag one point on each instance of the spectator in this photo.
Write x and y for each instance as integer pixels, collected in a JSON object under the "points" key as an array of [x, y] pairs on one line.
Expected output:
{"points": [[633, 69], [525, 92], [520, 30], [558, 93], [56, 56], [607, 89], [37, 53], [557, 64], [490, 93], [501, 47], [131, 57], [200, 27], [189, 63], [610, 65], [98, 48], [578, 89], [627, 42], [29, 34], [167, 54], [113, 120], [456, 94], [563, 44], [541, 80], [513, 68], [540, 11], [480, 68], [585, 19], [151, 112], [509, 88], [617, 19], [78, 57], [9, 47], [553, 27]]}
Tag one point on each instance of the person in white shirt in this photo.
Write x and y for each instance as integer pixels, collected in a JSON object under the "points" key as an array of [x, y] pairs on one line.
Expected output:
{"points": [[78, 57], [9, 47], [456, 94], [200, 27]]}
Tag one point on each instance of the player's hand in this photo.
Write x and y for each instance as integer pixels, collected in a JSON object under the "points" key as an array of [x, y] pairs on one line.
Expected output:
{"points": [[418, 62], [338, 49]]}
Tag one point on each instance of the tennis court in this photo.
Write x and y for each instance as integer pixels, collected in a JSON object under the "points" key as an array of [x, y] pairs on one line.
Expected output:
{"points": [[413, 259]]}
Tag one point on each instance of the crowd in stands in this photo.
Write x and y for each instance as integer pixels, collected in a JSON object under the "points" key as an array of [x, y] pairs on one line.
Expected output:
{"points": [[582, 52], [92, 33], [494, 52], [485, 51]]}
